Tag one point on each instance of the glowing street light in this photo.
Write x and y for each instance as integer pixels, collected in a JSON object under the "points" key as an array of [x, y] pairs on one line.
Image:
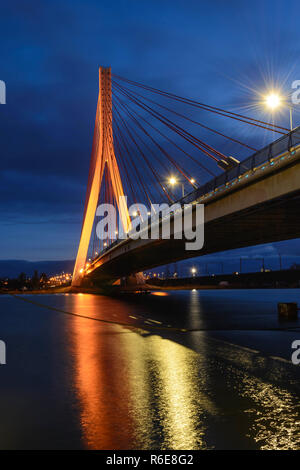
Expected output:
{"points": [[193, 271], [172, 181], [274, 100]]}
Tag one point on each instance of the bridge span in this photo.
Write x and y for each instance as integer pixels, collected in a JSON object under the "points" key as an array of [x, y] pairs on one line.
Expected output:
{"points": [[256, 202]]}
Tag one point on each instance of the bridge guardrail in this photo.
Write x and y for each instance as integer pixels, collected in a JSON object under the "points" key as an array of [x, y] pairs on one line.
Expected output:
{"points": [[283, 144]]}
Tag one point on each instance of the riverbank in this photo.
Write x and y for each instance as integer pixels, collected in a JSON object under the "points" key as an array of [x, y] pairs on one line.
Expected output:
{"points": [[107, 291]]}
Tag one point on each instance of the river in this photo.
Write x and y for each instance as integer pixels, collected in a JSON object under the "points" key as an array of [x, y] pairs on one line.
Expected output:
{"points": [[168, 370]]}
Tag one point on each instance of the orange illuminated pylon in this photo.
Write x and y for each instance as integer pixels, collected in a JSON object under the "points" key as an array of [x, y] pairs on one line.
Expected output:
{"points": [[102, 154]]}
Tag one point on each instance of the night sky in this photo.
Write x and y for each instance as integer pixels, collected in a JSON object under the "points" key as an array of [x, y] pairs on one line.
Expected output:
{"points": [[223, 53]]}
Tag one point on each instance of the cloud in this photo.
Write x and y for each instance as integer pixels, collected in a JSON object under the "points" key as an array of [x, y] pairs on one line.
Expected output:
{"points": [[50, 54]]}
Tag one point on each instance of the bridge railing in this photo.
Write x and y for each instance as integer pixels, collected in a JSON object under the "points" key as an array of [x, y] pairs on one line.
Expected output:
{"points": [[282, 145]]}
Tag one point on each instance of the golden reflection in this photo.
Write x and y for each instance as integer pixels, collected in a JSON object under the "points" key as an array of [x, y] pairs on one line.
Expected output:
{"points": [[181, 402], [100, 380], [137, 390], [274, 411], [159, 293], [134, 390]]}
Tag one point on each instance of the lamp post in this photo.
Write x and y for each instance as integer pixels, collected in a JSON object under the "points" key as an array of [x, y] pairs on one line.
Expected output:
{"points": [[291, 118]]}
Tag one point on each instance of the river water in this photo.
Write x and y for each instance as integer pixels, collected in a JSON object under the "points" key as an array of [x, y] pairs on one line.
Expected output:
{"points": [[169, 370]]}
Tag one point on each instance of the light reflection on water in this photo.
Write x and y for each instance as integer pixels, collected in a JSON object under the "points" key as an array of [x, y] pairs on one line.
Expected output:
{"points": [[108, 386], [275, 425], [135, 390], [180, 400], [140, 390]]}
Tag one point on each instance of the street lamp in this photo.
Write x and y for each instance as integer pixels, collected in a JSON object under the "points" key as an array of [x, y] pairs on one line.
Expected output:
{"points": [[173, 181], [274, 100], [193, 271]]}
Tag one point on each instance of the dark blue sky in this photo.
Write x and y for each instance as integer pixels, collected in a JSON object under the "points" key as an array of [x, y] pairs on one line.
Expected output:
{"points": [[222, 53]]}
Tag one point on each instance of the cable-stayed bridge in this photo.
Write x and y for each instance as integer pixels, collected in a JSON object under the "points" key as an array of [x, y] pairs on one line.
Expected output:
{"points": [[150, 151]]}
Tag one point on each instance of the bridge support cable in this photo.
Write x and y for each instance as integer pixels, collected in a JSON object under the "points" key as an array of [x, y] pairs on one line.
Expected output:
{"points": [[121, 160], [210, 151], [142, 154], [203, 106], [157, 180], [155, 157], [139, 179], [170, 159], [138, 118], [187, 118], [129, 130]]}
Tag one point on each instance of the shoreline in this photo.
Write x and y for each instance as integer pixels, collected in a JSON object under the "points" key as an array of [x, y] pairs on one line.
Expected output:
{"points": [[145, 289]]}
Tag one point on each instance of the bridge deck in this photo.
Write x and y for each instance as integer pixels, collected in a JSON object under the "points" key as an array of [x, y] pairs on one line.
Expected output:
{"points": [[256, 202]]}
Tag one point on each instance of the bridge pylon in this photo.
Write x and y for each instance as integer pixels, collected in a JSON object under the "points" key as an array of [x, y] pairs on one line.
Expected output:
{"points": [[103, 157]]}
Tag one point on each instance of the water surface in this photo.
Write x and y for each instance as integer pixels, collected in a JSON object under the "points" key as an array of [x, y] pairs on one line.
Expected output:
{"points": [[227, 382]]}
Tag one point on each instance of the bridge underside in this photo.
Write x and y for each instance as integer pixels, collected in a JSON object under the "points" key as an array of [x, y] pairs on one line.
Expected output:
{"points": [[275, 220]]}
